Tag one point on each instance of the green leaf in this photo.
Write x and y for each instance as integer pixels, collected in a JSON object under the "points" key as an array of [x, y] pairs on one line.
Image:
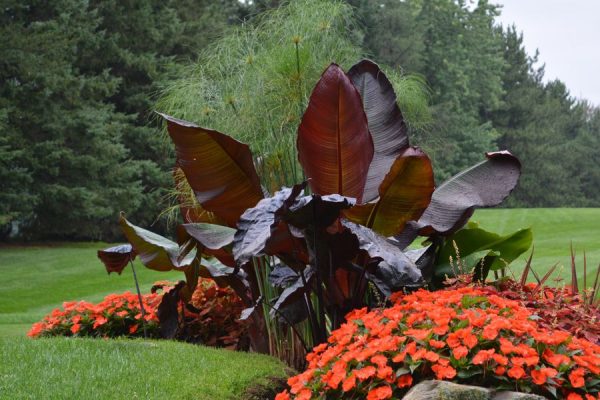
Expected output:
{"points": [[155, 251], [475, 244], [465, 374], [469, 301]]}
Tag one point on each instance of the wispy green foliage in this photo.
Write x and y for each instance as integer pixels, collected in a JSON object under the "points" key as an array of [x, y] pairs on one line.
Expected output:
{"points": [[254, 83]]}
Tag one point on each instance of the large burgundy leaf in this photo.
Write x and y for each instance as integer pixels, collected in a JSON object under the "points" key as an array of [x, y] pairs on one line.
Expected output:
{"points": [[155, 251], [387, 126], [403, 195], [219, 169], [334, 144], [116, 258], [189, 208], [485, 184]]}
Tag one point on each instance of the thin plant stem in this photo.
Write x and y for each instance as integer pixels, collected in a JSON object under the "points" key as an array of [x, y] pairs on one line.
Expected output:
{"points": [[319, 281], [276, 311], [137, 287], [316, 330]]}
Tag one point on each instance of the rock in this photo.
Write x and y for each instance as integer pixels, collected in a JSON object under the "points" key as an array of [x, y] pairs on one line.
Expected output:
{"points": [[443, 390], [516, 396]]}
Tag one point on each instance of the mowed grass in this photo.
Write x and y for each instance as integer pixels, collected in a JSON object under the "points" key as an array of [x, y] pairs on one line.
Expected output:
{"points": [[63, 368], [553, 231], [36, 279]]}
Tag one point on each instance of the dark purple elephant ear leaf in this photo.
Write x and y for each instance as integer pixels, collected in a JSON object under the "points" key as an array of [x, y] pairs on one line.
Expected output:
{"points": [[261, 230], [218, 168], [116, 258], [335, 147], [486, 184], [386, 123]]}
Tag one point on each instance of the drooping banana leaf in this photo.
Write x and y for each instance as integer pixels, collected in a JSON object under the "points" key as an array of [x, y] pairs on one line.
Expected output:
{"points": [[394, 269], [213, 240], [116, 258], [219, 169], [386, 124], [486, 184], [404, 194]]}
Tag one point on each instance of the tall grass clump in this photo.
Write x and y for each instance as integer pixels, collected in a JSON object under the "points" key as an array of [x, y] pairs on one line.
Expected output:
{"points": [[254, 83]]}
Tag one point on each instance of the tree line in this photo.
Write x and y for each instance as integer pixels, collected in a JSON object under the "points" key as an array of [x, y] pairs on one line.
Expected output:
{"points": [[78, 83]]}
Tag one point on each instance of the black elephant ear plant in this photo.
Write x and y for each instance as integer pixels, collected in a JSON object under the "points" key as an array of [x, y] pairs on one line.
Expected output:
{"points": [[307, 255]]}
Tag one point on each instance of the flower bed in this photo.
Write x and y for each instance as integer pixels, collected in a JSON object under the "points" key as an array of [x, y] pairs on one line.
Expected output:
{"points": [[467, 335], [214, 322], [116, 315]]}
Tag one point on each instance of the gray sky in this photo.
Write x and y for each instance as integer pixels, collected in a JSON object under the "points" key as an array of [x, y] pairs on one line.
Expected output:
{"points": [[567, 34]]}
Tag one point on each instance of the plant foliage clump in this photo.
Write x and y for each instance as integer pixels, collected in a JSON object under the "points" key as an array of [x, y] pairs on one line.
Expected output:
{"points": [[335, 241]]}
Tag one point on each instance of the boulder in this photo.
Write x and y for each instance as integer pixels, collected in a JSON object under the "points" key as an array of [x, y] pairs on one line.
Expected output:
{"points": [[443, 390]]}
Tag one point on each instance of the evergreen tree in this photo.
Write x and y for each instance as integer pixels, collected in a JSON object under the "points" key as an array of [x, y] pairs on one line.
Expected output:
{"points": [[78, 79], [66, 135]]}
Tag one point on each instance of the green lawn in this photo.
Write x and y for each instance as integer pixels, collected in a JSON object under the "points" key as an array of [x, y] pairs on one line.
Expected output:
{"points": [[553, 231], [62, 368], [39, 278]]}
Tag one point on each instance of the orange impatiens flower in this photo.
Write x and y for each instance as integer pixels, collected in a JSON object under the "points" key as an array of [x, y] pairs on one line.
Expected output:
{"points": [[555, 359], [443, 371], [483, 356], [539, 378], [576, 377], [405, 381], [283, 396], [380, 393], [418, 334], [349, 383], [365, 373], [460, 352], [75, 328], [437, 344], [516, 372]]}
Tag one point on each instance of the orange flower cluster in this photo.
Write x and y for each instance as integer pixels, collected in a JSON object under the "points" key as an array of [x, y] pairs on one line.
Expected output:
{"points": [[467, 335], [116, 315]]}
